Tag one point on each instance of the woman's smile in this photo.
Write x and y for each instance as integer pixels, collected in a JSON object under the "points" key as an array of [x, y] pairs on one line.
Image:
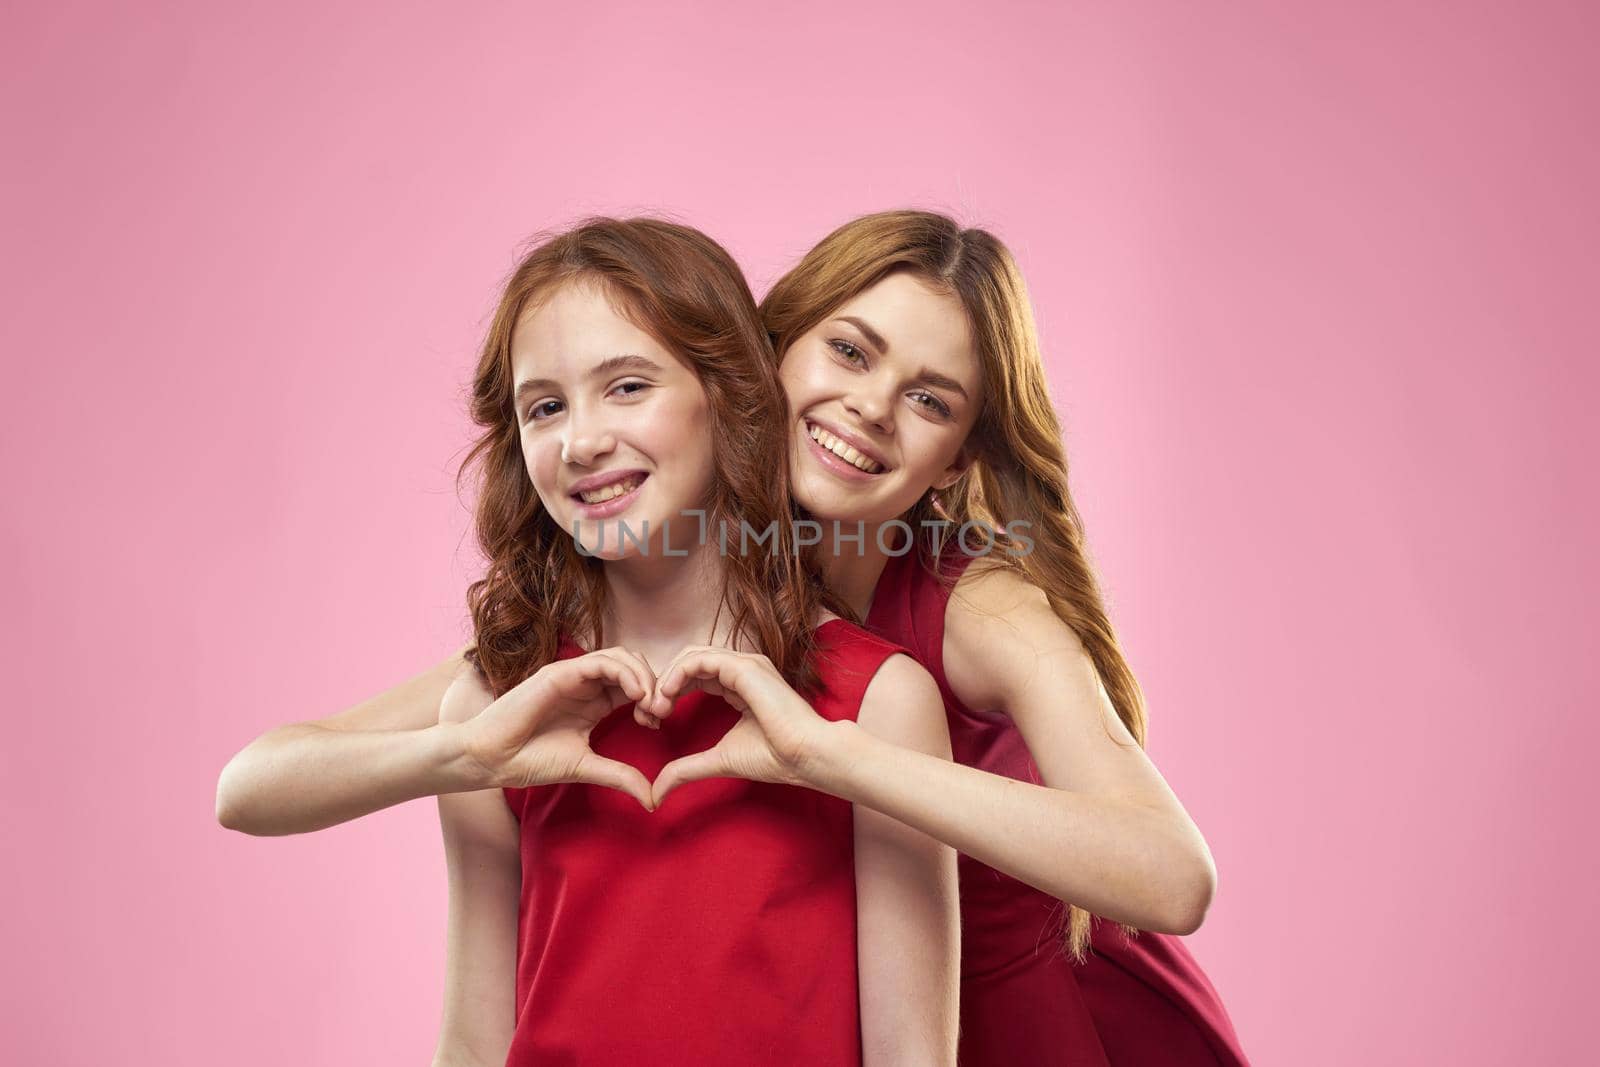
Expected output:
{"points": [[840, 457]]}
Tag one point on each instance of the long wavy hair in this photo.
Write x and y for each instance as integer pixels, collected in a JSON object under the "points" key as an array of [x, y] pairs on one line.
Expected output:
{"points": [[1019, 468], [683, 289]]}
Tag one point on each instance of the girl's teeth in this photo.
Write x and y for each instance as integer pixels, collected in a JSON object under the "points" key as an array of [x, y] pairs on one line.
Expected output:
{"points": [[600, 496], [843, 451]]}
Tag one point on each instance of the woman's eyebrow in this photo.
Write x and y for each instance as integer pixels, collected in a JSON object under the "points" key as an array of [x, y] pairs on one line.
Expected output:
{"points": [[874, 338], [939, 381], [610, 365]]}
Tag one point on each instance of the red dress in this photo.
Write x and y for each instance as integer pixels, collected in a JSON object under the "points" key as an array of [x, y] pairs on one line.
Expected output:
{"points": [[720, 929], [1141, 1001]]}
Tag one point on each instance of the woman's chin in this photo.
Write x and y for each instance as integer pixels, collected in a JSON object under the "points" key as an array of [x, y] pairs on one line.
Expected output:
{"points": [[831, 504]]}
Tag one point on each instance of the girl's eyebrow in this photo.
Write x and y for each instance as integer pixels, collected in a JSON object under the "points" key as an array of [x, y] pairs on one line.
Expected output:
{"points": [[611, 365]]}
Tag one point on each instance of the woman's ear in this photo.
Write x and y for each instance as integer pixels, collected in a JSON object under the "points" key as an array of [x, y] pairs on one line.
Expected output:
{"points": [[957, 468]]}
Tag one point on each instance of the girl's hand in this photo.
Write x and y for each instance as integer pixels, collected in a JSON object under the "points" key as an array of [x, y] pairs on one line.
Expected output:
{"points": [[537, 733], [777, 734]]}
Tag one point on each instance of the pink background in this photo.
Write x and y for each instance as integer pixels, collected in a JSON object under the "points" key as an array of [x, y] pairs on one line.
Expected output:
{"points": [[1317, 287]]}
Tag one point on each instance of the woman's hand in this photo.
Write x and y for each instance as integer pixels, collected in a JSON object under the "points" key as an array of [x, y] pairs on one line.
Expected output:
{"points": [[776, 738], [537, 732]]}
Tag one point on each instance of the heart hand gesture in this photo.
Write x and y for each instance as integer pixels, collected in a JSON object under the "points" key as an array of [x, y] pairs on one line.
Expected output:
{"points": [[776, 736], [537, 732]]}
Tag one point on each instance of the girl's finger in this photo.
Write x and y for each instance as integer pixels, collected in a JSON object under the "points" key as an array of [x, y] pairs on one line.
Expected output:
{"points": [[660, 701], [598, 770], [712, 664], [691, 768], [594, 677], [630, 675], [610, 675], [641, 669]]}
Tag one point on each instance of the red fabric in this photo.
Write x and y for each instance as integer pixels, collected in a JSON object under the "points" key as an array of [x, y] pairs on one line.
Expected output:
{"points": [[717, 930], [1139, 1002]]}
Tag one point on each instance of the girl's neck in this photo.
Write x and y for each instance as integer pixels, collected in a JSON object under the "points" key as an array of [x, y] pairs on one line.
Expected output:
{"points": [[658, 604]]}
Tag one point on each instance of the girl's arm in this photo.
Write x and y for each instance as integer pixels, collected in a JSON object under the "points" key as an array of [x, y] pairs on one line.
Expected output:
{"points": [[908, 929], [1104, 831], [388, 749], [482, 854]]}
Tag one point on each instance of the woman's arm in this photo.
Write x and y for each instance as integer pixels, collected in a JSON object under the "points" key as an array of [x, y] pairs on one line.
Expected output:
{"points": [[1104, 832], [908, 929], [310, 775], [482, 854]]}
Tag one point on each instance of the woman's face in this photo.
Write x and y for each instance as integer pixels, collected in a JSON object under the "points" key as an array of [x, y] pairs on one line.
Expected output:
{"points": [[885, 391], [614, 426]]}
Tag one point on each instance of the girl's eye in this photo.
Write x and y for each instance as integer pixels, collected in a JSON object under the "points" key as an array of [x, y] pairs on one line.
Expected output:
{"points": [[542, 410], [847, 351], [632, 388], [932, 403]]}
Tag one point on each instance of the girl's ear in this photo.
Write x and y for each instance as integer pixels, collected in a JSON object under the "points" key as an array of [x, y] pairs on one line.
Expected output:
{"points": [[957, 468]]}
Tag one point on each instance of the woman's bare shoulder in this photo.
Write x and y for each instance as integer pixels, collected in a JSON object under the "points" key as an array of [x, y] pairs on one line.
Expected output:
{"points": [[999, 625]]}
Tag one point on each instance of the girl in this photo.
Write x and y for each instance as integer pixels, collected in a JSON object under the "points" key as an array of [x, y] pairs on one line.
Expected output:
{"points": [[917, 396], [623, 392]]}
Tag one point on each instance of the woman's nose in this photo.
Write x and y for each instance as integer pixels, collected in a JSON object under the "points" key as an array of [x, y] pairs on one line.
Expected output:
{"points": [[873, 408]]}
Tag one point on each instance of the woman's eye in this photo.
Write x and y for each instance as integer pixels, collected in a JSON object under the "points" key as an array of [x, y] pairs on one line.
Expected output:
{"points": [[847, 351], [932, 403]]}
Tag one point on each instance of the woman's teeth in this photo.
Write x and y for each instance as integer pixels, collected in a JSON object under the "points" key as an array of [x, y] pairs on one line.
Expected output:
{"points": [[616, 489], [842, 450]]}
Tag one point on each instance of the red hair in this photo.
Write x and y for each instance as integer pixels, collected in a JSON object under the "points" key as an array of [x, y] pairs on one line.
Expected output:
{"points": [[683, 289]]}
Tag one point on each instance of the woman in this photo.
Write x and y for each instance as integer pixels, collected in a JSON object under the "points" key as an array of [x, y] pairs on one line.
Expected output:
{"points": [[918, 397], [909, 356]]}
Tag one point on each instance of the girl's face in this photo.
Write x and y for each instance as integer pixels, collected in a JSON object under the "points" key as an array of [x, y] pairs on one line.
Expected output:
{"points": [[614, 426], [885, 391]]}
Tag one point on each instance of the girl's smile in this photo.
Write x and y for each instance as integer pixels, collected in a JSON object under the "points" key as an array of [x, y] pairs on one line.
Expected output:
{"points": [[602, 496], [613, 430]]}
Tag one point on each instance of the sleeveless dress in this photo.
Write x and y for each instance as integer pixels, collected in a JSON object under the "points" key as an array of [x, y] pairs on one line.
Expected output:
{"points": [[720, 929], [1137, 1001]]}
